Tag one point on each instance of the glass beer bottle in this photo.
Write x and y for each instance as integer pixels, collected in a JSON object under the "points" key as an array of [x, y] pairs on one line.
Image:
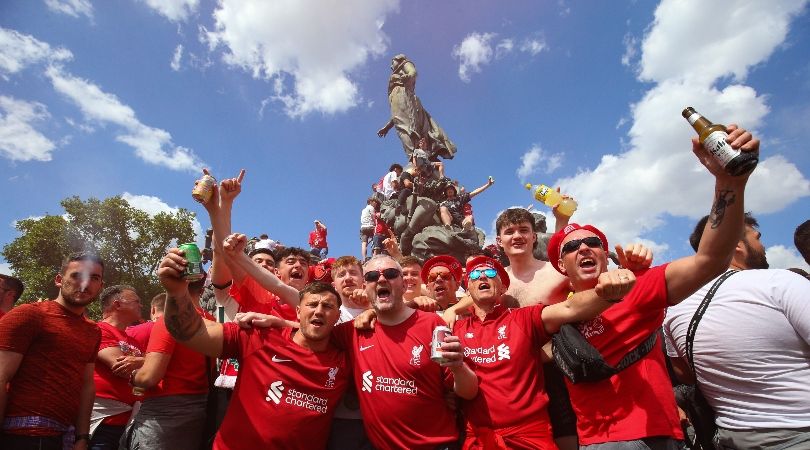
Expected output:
{"points": [[713, 138]]}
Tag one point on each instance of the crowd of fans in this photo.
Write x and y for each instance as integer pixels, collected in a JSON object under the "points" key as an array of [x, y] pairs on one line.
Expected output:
{"points": [[282, 347]]}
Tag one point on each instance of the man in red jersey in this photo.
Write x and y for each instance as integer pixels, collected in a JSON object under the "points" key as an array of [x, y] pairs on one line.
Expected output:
{"points": [[290, 380], [11, 288], [47, 356], [176, 381], [503, 347], [317, 241], [118, 355], [401, 390], [636, 408]]}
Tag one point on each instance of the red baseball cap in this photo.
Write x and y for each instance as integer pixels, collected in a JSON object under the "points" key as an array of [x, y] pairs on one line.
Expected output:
{"points": [[556, 240], [447, 261], [488, 263]]}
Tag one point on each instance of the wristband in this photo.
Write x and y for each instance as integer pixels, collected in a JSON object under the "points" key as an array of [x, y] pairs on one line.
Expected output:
{"points": [[132, 377], [82, 437], [223, 286]]}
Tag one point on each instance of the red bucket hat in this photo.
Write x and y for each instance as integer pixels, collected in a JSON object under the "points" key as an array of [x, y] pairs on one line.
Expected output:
{"points": [[448, 261], [487, 262], [557, 238]]}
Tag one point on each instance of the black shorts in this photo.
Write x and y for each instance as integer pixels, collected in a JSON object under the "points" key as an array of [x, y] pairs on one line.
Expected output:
{"points": [[563, 418]]}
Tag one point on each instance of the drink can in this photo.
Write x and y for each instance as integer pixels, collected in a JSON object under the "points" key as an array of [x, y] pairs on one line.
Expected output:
{"points": [[194, 270], [203, 189], [439, 333]]}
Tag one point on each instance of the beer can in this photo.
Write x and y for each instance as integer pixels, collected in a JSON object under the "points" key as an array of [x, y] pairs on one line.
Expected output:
{"points": [[439, 333], [194, 269], [203, 189]]}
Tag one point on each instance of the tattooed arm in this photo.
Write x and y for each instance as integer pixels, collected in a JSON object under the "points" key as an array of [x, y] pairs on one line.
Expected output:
{"points": [[724, 228], [181, 314]]}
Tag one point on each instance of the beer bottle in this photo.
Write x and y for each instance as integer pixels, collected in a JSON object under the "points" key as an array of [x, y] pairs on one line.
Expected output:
{"points": [[713, 138], [552, 198]]}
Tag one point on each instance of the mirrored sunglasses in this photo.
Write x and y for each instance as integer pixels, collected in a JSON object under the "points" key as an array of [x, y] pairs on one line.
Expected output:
{"points": [[489, 273]]}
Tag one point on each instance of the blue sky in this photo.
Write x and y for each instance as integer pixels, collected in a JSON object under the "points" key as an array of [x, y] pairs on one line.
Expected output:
{"points": [[132, 97]]}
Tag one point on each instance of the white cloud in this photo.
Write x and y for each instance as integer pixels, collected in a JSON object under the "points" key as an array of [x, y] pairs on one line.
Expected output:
{"points": [[177, 57], [153, 145], [630, 193], [74, 8], [504, 47], [533, 46], [312, 50], [781, 257], [473, 52], [153, 205], [19, 140], [174, 10], [532, 160], [630, 49], [18, 51], [703, 41], [5, 269]]}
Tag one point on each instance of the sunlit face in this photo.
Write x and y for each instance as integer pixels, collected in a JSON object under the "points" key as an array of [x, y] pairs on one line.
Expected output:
{"points": [[81, 282], [293, 271], [442, 286], [583, 265], [412, 281], [754, 251], [384, 295], [317, 315], [517, 239], [129, 306], [347, 279], [485, 290], [266, 261]]}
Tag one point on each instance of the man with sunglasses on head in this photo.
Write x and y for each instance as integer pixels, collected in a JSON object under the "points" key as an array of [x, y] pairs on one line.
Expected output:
{"points": [[635, 408], [504, 347], [401, 390]]}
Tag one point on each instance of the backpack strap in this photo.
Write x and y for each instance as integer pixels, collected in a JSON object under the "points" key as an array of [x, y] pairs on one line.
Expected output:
{"points": [[701, 309]]}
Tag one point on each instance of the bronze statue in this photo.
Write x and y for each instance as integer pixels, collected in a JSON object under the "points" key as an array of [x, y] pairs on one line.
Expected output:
{"points": [[408, 116]]}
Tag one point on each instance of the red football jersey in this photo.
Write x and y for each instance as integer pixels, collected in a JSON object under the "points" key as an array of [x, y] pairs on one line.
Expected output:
{"points": [[285, 395], [108, 385], [637, 402], [401, 391], [504, 351], [251, 296]]}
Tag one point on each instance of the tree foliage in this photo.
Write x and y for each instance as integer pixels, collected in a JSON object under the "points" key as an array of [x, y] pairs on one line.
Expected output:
{"points": [[130, 241]]}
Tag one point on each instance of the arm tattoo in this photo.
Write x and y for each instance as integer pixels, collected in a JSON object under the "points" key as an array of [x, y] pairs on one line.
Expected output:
{"points": [[724, 198], [182, 320]]}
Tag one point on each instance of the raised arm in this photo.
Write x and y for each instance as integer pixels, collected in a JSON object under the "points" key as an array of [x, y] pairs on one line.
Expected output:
{"points": [[586, 305], [180, 314], [724, 228], [219, 212], [490, 182], [234, 245]]}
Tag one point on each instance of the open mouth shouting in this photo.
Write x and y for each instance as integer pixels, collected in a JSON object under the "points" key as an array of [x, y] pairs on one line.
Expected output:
{"points": [[383, 293]]}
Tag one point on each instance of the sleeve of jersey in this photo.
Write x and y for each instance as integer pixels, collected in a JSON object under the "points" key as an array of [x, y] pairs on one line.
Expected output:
{"points": [[19, 328], [94, 355], [650, 290], [342, 335], [240, 292], [531, 320], [232, 337], [108, 338], [160, 340]]}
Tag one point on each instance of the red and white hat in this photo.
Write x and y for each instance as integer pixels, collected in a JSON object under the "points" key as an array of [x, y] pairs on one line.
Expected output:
{"points": [[447, 261], [556, 240], [485, 262]]}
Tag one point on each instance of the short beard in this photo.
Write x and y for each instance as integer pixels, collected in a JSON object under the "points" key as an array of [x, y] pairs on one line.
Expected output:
{"points": [[755, 260]]}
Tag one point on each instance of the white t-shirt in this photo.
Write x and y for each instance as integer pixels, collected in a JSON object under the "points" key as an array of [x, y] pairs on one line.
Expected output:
{"points": [[751, 348], [387, 185], [367, 217]]}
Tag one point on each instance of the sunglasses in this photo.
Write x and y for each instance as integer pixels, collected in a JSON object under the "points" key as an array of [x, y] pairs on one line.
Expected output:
{"points": [[572, 246], [489, 273], [436, 275], [373, 275]]}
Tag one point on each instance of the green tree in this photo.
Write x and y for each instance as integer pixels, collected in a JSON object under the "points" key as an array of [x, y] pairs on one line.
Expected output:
{"points": [[130, 241]]}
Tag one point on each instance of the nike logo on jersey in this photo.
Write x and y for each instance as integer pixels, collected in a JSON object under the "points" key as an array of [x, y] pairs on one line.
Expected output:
{"points": [[277, 359], [365, 347]]}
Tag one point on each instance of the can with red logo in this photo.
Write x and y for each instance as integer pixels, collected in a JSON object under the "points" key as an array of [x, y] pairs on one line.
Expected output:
{"points": [[439, 333]]}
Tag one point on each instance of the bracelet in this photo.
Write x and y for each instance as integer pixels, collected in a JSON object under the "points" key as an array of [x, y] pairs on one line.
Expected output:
{"points": [[82, 437], [132, 377], [222, 286]]}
